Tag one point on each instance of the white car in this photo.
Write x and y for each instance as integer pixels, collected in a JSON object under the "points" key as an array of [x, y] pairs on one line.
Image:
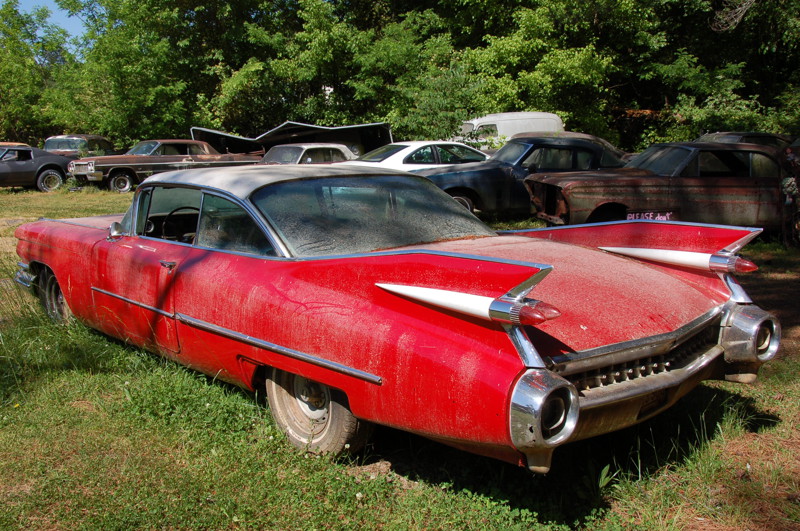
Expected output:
{"points": [[308, 153], [419, 155]]}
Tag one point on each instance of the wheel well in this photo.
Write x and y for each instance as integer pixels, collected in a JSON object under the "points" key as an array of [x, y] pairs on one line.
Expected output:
{"points": [[51, 167], [36, 269], [262, 372], [608, 212], [468, 193], [116, 171]]}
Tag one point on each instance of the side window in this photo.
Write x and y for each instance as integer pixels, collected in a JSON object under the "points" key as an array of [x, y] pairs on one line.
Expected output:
{"points": [[227, 226], [24, 154], [337, 156], [608, 160], [315, 156], [709, 165], [583, 159], [421, 156], [723, 164], [194, 149], [762, 166], [457, 155], [486, 131], [168, 213], [691, 169], [171, 149]]}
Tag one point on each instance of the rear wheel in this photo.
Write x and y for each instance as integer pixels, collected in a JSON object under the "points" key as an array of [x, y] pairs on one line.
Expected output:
{"points": [[49, 180], [52, 298], [314, 416]]}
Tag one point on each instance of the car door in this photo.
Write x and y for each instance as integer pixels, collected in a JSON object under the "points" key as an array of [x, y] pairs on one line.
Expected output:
{"points": [[17, 168], [735, 187], [133, 288], [223, 288]]}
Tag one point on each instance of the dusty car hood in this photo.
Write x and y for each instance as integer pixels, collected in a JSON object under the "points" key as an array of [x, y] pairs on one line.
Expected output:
{"points": [[604, 298], [566, 179]]}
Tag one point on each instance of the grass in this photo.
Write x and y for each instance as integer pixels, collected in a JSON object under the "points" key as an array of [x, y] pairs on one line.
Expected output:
{"points": [[96, 434]]}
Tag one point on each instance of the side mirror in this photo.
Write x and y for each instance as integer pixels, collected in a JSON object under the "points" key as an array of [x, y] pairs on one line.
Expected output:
{"points": [[115, 231]]}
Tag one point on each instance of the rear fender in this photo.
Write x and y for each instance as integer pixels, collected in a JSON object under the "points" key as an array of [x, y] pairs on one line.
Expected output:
{"points": [[693, 237], [698, 252]]}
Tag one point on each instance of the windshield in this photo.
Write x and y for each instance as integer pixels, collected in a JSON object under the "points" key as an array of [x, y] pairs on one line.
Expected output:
{"points": [[382, 153], [282, 155], [662, 160], [347, 215], [511, 152], [143, 148]]}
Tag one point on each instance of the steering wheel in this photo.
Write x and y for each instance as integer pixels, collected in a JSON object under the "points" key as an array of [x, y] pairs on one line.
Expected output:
{"points": [[164, 223]]}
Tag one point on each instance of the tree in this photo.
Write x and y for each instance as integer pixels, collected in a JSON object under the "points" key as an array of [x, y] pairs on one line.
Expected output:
{"points": [[30, 50]]}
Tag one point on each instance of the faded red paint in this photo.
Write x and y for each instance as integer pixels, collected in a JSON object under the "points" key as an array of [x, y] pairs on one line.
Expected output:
{"points": [[444, 375]]}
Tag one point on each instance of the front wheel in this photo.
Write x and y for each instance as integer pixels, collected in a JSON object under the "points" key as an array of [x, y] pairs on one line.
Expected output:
{"points": [[313, 416], [52, 298], [49, 180], [121, 182]]}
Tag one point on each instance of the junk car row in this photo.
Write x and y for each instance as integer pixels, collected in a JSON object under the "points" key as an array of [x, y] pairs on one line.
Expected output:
{"points": [[356, 296]]}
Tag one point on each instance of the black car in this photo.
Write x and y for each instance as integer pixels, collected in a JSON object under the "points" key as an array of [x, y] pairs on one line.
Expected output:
{"points": [[496, 185], [22, 165], [772, 140]]}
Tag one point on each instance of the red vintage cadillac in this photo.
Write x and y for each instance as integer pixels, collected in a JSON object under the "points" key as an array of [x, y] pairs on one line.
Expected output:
{"points": [[355, 297]]}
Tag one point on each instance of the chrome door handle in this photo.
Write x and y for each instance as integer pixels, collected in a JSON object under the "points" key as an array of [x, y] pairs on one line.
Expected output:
{"points": [[169, 265]]}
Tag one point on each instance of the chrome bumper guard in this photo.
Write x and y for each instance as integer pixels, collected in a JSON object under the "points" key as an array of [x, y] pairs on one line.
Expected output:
{"points": [[616, 386], [23, 276]]}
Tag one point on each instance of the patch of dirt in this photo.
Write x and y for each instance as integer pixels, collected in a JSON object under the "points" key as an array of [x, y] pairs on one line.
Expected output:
{"points": [[378, 469]]}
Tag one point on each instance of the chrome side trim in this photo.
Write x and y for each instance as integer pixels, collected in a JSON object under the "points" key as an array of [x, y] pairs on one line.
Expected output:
{"points": [[248, 340], [584, 360], [135, 303], [288, 352]]}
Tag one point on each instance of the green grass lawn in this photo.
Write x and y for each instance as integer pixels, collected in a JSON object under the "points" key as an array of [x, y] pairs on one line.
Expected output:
{"points": [[99, 435]]}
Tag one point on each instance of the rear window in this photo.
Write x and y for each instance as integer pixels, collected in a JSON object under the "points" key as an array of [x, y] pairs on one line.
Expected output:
{"points": [[347, 215]]}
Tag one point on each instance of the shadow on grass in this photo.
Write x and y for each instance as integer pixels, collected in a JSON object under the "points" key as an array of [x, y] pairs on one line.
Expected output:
{"points": [[574, 488], [571, 492]]}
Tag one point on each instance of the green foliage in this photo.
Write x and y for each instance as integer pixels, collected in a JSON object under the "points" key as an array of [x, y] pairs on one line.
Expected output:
{"points": [[31, 53], [631, 71]]}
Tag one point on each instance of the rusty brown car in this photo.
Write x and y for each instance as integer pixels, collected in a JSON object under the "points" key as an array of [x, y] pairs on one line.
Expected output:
{"points": [[738, 184], [122, 172]]}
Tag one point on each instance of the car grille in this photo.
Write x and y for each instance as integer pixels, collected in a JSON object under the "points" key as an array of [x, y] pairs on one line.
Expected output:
{"points": [[545, 197], [589, 371], [82, 167]]}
